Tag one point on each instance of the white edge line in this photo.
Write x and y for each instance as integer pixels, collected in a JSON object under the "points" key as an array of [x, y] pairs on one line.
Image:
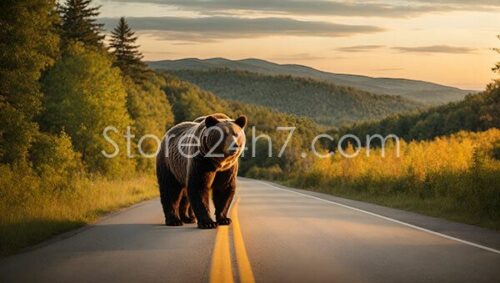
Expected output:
{"points": [[389, 219]]}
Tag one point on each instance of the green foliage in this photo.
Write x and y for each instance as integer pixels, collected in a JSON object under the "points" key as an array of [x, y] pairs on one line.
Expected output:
{"points": [[127, 55], [189, 101], [151, 114], [478, 112], [53, 155], [84, 95], [28, 45], [79, 23], [326, 103], [271, 173]]}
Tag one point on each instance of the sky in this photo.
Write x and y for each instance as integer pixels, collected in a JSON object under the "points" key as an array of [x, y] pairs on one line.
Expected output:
{"points": [[443, 41]]}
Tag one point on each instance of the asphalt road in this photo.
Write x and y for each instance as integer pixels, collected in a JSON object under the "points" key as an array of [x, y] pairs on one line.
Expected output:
{"points": [[278, 235]]}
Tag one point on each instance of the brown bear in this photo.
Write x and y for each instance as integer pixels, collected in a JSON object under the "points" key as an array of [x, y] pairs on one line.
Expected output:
{"points": [[194, 158]]}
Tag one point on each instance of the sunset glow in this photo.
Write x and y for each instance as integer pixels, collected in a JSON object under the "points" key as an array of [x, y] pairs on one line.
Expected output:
{"points": [[448, 43]]}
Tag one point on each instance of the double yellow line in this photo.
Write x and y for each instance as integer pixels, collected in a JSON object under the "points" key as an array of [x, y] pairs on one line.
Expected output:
{"points": [[221, 270]]}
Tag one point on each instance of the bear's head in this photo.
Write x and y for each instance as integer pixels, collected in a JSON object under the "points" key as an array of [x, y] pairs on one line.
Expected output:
{"points": [[225, 137]]}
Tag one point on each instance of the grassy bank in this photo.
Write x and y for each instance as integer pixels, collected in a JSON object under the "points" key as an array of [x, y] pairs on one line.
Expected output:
{"points": [[33, 210], [455, 177]]}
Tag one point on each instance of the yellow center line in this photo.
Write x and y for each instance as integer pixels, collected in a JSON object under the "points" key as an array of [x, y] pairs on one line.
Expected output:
{"points": [[221, 271], [244, 267]]}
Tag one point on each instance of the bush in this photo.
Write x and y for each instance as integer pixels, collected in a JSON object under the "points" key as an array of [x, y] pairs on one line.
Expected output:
{"points": [[270, 173], [53, 155]]}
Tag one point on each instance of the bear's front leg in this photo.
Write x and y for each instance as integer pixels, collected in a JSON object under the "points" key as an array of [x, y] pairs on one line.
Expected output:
{"points": [[224, 187], [198, 187]]}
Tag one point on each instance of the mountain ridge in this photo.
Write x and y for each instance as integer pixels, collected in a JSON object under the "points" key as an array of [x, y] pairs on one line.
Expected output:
{"points": [[417, 90], [326, 103]]}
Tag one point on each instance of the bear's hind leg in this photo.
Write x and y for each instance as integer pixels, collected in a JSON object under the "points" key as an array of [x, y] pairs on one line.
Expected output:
{"points": [[185, 211], [170, 194]]}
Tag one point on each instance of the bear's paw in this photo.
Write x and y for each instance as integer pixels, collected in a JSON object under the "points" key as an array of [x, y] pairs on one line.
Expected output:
{"points": [[188, 220], [224, 221], [207, 224], [173, 222]]}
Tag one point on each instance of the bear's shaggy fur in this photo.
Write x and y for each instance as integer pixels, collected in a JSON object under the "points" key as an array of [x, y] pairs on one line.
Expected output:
{"points": [[195, 157]]}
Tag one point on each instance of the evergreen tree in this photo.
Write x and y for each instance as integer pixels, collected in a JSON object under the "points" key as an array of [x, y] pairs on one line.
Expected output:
{"points": [[128, 57], [79, 23], [496, 68], [28, 45]]}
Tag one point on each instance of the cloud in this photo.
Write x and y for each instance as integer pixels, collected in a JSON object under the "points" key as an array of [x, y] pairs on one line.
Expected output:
{"points": [[305, 7], [207, 29], [436, 49], [183, 43], [476, 3], [358, 48]]}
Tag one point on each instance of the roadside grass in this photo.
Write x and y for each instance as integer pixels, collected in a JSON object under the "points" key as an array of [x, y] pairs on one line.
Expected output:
{"points": [[455, 177], [440, 207], [37, 210]]}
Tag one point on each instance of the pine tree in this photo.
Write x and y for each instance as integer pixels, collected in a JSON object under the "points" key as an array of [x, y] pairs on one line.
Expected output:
{"points": [[79, 23], [28, 45], [128, 57], [496, 69]]}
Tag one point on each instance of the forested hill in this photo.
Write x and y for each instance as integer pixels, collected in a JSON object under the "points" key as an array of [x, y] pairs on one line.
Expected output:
{"points": [[421, 91], [326, 103], [478, 112]]}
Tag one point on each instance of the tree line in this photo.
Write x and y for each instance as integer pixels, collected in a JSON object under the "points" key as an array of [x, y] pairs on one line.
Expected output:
{"points": [[62, 85], [477, 112], [72, 85]]}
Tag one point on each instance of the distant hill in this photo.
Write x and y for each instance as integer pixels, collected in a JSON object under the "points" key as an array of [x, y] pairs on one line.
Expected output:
{"points": [[478, 112], [326, 103], [421, 91]]}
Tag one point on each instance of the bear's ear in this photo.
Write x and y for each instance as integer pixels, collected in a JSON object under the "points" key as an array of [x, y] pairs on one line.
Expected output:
{"points": [[241, 121], [211, 121]]}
